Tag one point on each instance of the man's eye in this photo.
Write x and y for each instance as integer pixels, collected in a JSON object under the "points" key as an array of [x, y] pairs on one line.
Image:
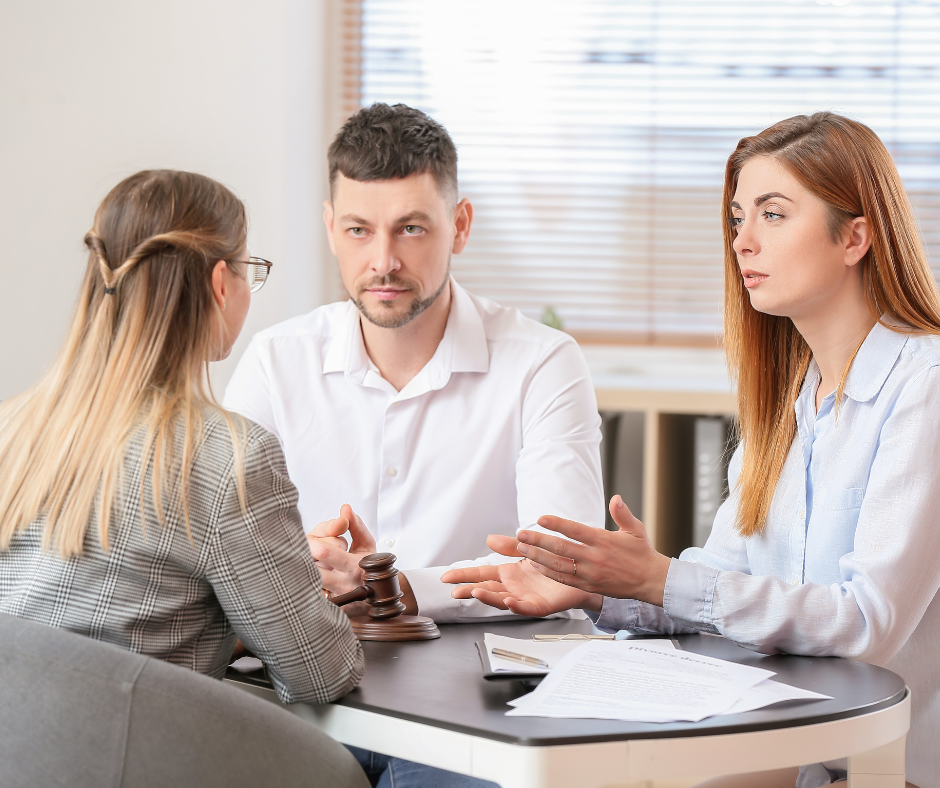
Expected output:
{"points": [[411, 229], [356, 232]]}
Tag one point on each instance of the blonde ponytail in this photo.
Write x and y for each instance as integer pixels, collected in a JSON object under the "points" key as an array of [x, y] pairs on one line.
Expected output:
{"points": [[135, 360]]}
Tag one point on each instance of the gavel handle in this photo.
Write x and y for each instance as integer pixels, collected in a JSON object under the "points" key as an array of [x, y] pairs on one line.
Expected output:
{"points": [[356, 595]]}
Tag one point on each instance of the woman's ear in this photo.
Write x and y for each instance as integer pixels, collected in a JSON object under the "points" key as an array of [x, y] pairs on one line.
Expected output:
{"points": [[858, 240], [218, 282]]}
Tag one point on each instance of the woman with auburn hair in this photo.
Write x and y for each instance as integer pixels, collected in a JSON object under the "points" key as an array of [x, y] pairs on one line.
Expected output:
{"points": [[133, 508], [828, 542]]}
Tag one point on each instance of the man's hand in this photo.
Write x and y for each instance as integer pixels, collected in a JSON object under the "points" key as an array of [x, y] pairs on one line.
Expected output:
{"points": [[337, 562], [518, 587]]}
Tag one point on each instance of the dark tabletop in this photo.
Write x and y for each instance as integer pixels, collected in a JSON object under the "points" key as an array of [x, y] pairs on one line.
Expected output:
{"points": [[440, 682]]}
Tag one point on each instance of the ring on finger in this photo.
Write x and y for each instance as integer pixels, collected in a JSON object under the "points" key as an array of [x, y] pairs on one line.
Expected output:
{"points": [[574, 568]]}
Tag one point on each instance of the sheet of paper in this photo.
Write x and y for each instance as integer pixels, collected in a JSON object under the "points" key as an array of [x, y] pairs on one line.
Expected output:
{"points": [[769, 692], [247, 664], [628, 680], [551, 651]]}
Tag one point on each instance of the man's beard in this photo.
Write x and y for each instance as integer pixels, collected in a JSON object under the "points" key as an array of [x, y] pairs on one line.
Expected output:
{"points": [[388, 318]]}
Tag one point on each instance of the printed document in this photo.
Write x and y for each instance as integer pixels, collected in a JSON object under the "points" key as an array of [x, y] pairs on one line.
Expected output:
{"points": [[628, 680], [770, 691]]}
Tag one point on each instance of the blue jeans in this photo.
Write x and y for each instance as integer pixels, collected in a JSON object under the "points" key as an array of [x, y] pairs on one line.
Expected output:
{"points": [[385, 771]]}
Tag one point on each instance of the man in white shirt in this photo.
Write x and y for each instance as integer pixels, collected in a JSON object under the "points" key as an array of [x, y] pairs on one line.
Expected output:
{"points": [[439, 416]]}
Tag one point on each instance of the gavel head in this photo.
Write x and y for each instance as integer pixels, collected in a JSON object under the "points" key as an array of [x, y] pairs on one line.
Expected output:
{"points": [[381, 576], [381, 591]]}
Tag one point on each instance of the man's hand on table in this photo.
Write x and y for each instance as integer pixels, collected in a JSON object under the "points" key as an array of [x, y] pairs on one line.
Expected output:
{"points": [[518, 586], [339, 563]]}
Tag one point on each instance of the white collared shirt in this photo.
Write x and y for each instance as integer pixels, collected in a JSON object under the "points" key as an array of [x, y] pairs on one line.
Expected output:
{"points": [[848, 563], [499, 428]]}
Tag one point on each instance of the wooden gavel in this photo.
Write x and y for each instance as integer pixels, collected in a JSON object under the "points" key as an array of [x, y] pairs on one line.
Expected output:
{"points": [[383, 594]]}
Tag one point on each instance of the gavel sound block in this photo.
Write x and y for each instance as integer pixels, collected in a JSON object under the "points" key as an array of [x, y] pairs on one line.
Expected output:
{"points": [[383, 594]]}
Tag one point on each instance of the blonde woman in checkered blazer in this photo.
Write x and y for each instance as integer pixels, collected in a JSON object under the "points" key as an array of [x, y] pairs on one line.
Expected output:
{"points": [[133, 508]]}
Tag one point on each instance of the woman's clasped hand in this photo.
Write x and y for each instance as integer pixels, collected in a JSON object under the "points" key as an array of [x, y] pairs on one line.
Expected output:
{"points": [[573, 572]]}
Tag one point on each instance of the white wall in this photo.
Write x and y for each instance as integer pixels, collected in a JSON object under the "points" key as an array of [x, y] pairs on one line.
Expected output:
{"points": [[92, 92]]}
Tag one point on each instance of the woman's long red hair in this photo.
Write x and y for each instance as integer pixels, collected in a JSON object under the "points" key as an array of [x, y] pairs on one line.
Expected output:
{"points": [[843, 163]]}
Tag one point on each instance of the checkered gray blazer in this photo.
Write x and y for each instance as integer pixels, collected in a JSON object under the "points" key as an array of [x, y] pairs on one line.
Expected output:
{"points": [[185, 601]]}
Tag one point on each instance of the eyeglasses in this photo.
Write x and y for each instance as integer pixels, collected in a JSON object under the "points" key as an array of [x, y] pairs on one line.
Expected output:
{"points": [[256, 270]]}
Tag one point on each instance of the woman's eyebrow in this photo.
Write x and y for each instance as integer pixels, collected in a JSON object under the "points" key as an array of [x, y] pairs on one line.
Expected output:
{"points": [[762, 199], [770, 195]]}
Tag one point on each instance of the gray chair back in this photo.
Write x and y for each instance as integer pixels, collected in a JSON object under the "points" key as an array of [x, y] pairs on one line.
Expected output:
{"points": [[80, 713]]}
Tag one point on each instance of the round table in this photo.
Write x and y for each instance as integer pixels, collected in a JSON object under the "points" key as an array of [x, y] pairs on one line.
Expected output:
{"points": [[428, 702]]}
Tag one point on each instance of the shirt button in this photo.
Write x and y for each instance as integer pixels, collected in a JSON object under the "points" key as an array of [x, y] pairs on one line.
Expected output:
{"points": [[389, 542], [794, 582], [802, 514], [392, 471]]}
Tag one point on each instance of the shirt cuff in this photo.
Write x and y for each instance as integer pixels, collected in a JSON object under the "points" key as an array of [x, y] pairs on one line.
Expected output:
{"points": [[689, 593], [616, 614]]}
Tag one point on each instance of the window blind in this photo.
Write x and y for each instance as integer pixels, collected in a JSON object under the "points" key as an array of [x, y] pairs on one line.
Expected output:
{"points": [[592, 134]]}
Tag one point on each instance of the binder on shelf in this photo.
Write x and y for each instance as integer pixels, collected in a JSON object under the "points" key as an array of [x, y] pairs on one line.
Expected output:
{"points": [[710, 473]]}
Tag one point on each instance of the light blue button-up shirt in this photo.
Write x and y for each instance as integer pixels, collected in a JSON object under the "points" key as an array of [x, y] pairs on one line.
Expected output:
{"points": [[848, 563]]}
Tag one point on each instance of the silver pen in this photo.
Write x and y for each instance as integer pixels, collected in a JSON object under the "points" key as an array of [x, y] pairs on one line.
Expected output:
{"points": [[571, 636], [512, 655]]}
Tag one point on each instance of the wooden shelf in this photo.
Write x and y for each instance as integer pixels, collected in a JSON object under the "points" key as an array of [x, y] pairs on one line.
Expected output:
{"points": [[693, 402]]}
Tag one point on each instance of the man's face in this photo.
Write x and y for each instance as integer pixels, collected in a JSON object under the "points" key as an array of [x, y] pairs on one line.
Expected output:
{"points": [[394, 240]]}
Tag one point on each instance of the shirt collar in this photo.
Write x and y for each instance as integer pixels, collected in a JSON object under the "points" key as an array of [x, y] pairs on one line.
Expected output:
{"points": [[465, 336], [875, 360], [872, 364], [813, 376], [346, 351], [463, 348]]}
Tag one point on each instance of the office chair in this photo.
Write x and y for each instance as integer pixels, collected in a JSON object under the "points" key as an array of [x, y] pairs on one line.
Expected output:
{"points": [[80, 713]]}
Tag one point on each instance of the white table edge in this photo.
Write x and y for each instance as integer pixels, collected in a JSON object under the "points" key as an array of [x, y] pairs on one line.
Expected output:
{"points": [[873, 742]]}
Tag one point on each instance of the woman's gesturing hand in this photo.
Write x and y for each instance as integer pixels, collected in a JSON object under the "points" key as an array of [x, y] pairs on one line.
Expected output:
{"points": [[619, 564]]}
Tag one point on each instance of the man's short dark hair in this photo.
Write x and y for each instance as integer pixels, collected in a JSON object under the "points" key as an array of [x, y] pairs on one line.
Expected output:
{"points": [[382, 142]]}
